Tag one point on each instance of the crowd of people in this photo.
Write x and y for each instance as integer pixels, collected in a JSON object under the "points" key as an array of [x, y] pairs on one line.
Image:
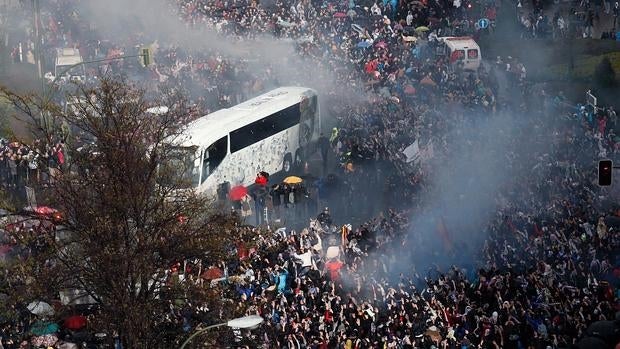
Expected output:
{"points": [[548, 267], [29, 165], [214, 80], [547, 263], [570, 21]]}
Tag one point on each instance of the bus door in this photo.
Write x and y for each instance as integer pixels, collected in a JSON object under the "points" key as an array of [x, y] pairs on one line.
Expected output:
{"points": [[212, 157], [307, 109]]}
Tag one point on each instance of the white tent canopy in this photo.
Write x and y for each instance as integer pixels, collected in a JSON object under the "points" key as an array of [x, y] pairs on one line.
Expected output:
{"points": [[40, 308]]}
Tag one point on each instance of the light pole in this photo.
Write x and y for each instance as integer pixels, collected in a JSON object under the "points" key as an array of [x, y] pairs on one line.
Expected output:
{"points": [[37, 33], [242, 322]]}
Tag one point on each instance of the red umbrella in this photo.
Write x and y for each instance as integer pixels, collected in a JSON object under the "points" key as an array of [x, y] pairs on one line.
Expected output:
{"points": [[212, 273], [428, 81], [410, 90], [75, 322], [237, 193], [340, 15], [44, 210], [381, 44]]}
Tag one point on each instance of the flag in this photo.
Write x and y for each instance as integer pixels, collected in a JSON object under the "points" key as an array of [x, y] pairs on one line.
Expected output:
{"points": [[443, 233], [61, 157], [343, 235]]}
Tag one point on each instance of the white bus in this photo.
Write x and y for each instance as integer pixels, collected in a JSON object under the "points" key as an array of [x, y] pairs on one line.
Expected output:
{"points": [[272, 133], [68, 64]]}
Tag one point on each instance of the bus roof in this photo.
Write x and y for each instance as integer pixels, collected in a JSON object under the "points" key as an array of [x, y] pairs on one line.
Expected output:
{"points": [[209, 128], [68, 56]]}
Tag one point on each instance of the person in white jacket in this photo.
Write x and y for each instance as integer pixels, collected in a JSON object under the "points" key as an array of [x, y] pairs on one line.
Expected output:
{"points": [[409, 19], [307, 262]]}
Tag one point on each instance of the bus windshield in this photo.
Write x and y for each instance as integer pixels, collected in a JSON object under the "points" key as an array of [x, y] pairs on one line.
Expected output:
{"points": [[213, 157], [183, 167], [69, 70]]}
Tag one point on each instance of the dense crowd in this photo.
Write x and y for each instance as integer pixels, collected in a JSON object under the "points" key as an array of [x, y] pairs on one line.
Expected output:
{"points": [[214, 80], [548, 265]]}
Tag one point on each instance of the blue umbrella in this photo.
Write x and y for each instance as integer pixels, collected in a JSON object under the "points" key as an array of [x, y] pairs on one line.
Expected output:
{"points": [[43, 328], [363, 44]]}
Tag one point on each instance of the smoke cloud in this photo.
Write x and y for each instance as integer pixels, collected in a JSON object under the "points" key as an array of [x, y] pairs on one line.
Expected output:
{"points": [[122, 20], [487, 158], [462, 195]]}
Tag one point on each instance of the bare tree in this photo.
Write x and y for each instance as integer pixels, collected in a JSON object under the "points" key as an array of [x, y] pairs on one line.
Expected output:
{"points": [[127, 215]]}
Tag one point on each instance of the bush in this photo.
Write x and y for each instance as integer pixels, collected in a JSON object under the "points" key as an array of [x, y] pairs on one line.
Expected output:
{"points": [[604, 74]]}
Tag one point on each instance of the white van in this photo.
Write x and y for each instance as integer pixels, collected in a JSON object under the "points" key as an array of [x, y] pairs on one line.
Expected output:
{"points": [[462, 50]]}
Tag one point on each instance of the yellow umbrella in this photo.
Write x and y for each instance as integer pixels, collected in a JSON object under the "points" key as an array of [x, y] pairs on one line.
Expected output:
{"points": [[292, 180], [422, 29]]}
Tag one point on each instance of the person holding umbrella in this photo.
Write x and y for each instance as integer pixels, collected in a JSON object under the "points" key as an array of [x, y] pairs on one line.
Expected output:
{"points": [[276, 199], [237, 194], [262, 178], [300, 194]]}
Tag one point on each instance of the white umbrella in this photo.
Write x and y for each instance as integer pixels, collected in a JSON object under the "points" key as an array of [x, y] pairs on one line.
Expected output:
{"points": [[250, 321], [159, 110], [332, 252], [68, 345], [40, 308]]}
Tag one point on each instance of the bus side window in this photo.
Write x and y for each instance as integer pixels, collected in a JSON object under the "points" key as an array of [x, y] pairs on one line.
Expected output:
{"points": [[264, 128], [213, 157]]}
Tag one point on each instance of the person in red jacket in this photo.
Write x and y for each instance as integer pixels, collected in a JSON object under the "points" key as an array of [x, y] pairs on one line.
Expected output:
{"points": [[333, 267], [261, 179]]}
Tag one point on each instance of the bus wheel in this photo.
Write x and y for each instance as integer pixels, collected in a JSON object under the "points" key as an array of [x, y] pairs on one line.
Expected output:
{"points": [[299, 159], [287, 163]]}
